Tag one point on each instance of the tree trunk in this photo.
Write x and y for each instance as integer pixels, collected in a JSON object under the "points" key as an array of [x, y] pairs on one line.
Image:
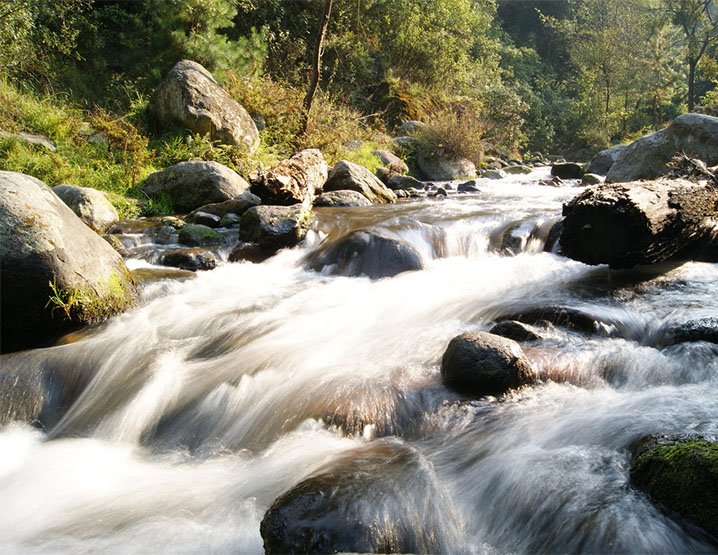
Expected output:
{"points": [[316, 65], [627, 224], [691, 82]]}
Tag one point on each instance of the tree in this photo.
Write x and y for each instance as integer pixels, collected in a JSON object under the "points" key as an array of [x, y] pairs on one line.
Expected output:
{"points": [[316, 65], [698, 20]]}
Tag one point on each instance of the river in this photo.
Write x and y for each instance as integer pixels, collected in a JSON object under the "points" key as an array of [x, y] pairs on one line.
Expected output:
{"points": [[218, 393]]}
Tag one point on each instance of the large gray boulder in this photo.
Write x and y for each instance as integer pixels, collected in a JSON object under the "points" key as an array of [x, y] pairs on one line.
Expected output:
{"points": [[480, 363], [56, 273], [604, 160], [695, 135], [337, 199], [349, 176], [436, 167], [90, 205], [189, 96], [292, 181], [375, 253], [275, 227], [391, 161], [238, 205], [190, 185]]}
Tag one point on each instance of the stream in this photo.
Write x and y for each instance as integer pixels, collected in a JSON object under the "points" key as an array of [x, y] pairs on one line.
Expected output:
{"points": [[221, 391]]}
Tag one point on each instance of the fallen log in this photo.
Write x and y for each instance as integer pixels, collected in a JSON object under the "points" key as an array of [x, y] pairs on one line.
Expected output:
{"points": [[627, 224]]}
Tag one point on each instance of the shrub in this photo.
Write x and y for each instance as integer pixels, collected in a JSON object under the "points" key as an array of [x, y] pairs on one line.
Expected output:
{"points": [[454, 132]]}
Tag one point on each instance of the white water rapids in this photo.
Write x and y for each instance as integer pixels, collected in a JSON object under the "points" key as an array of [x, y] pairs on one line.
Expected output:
{"points": [[216, 394]]}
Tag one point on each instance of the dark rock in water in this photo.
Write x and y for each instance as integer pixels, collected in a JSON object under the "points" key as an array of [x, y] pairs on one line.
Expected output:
{"points": [[342, 198], [190, 185], [275, 227], [238, 205], [517, 331], [196, 235], [292, 181], [479, 363], [55, 272], [440, 192], [558, 316], [186, 259], [704, 329], [553, 238], [397, 182], [590, 179], [467, 187], [552, 182], [603, 161], [567, 170], [203, 218], [250, 252], [230, 220], [375, 253], [680, 474], [380, 498], [517, 170]]}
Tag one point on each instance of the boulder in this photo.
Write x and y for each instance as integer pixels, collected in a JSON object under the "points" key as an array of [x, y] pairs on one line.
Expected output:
{"points": [[695, 135], [197, 235], [602, 162], [556, 315], [517, 170], [681, 475], [468, 187], [435, 166], [192, 260], [591, 179], [275, 227], [342, 198], [56, 273], [230, 220], [238, 206], [375, 253], [405, 142], [189, 185], [397, 182], [567, 170], [479, 363], [493, 174], [292, 181], [90, 205], [380, 498], [204, 218], [410, 127], [189, 96], [250, 252], [627, 224], [31, 138], [349, 176], [511, 329], [391, 161], [703, 329]]}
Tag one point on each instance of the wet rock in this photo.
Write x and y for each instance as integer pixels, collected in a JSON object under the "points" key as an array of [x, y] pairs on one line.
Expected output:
{"points": [[493, 174], [375, 253], [511, 329], [602, 162], [196, 235], [189, 96], [204, 218], [680, 474], [190, 185], [238, 205], [553, 238], [380, 498], [291, 181], [440, 192], [479, 363], [517, 170], [442, 169], [695, 135], [467, 187], [348, 176], [44, 245], [342, 198], [250, 252], [275, 227], [567, 170], [191, 260], [391, 161], [552, 182], [90, 205], [558, 316], [230, 220], [703, 329]]}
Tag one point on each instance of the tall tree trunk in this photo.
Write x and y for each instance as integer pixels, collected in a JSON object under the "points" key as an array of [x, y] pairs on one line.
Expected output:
{"points": [[691, 82], [316, 65]]}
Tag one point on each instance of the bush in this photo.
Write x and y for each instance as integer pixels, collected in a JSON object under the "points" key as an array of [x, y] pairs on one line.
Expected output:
{"points": [[454, 132]]}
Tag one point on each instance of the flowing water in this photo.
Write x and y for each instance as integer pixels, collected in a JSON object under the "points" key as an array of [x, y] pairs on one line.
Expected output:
{"points": [[218, 393]]}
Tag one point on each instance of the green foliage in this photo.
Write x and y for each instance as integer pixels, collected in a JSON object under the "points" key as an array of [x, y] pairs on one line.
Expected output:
{"points": [[454, 132]]}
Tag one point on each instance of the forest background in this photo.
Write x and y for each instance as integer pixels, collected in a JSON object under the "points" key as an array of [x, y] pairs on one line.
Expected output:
{"points": [[496, 76]]}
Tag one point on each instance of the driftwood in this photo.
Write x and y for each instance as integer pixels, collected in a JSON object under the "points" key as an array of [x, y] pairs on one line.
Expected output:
{"points": [[627, 224]]}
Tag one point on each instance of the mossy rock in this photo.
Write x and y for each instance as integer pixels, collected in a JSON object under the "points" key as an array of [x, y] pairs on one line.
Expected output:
{"points": [[591, 179], [517, 170], [681, 474], [197, 235]]}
